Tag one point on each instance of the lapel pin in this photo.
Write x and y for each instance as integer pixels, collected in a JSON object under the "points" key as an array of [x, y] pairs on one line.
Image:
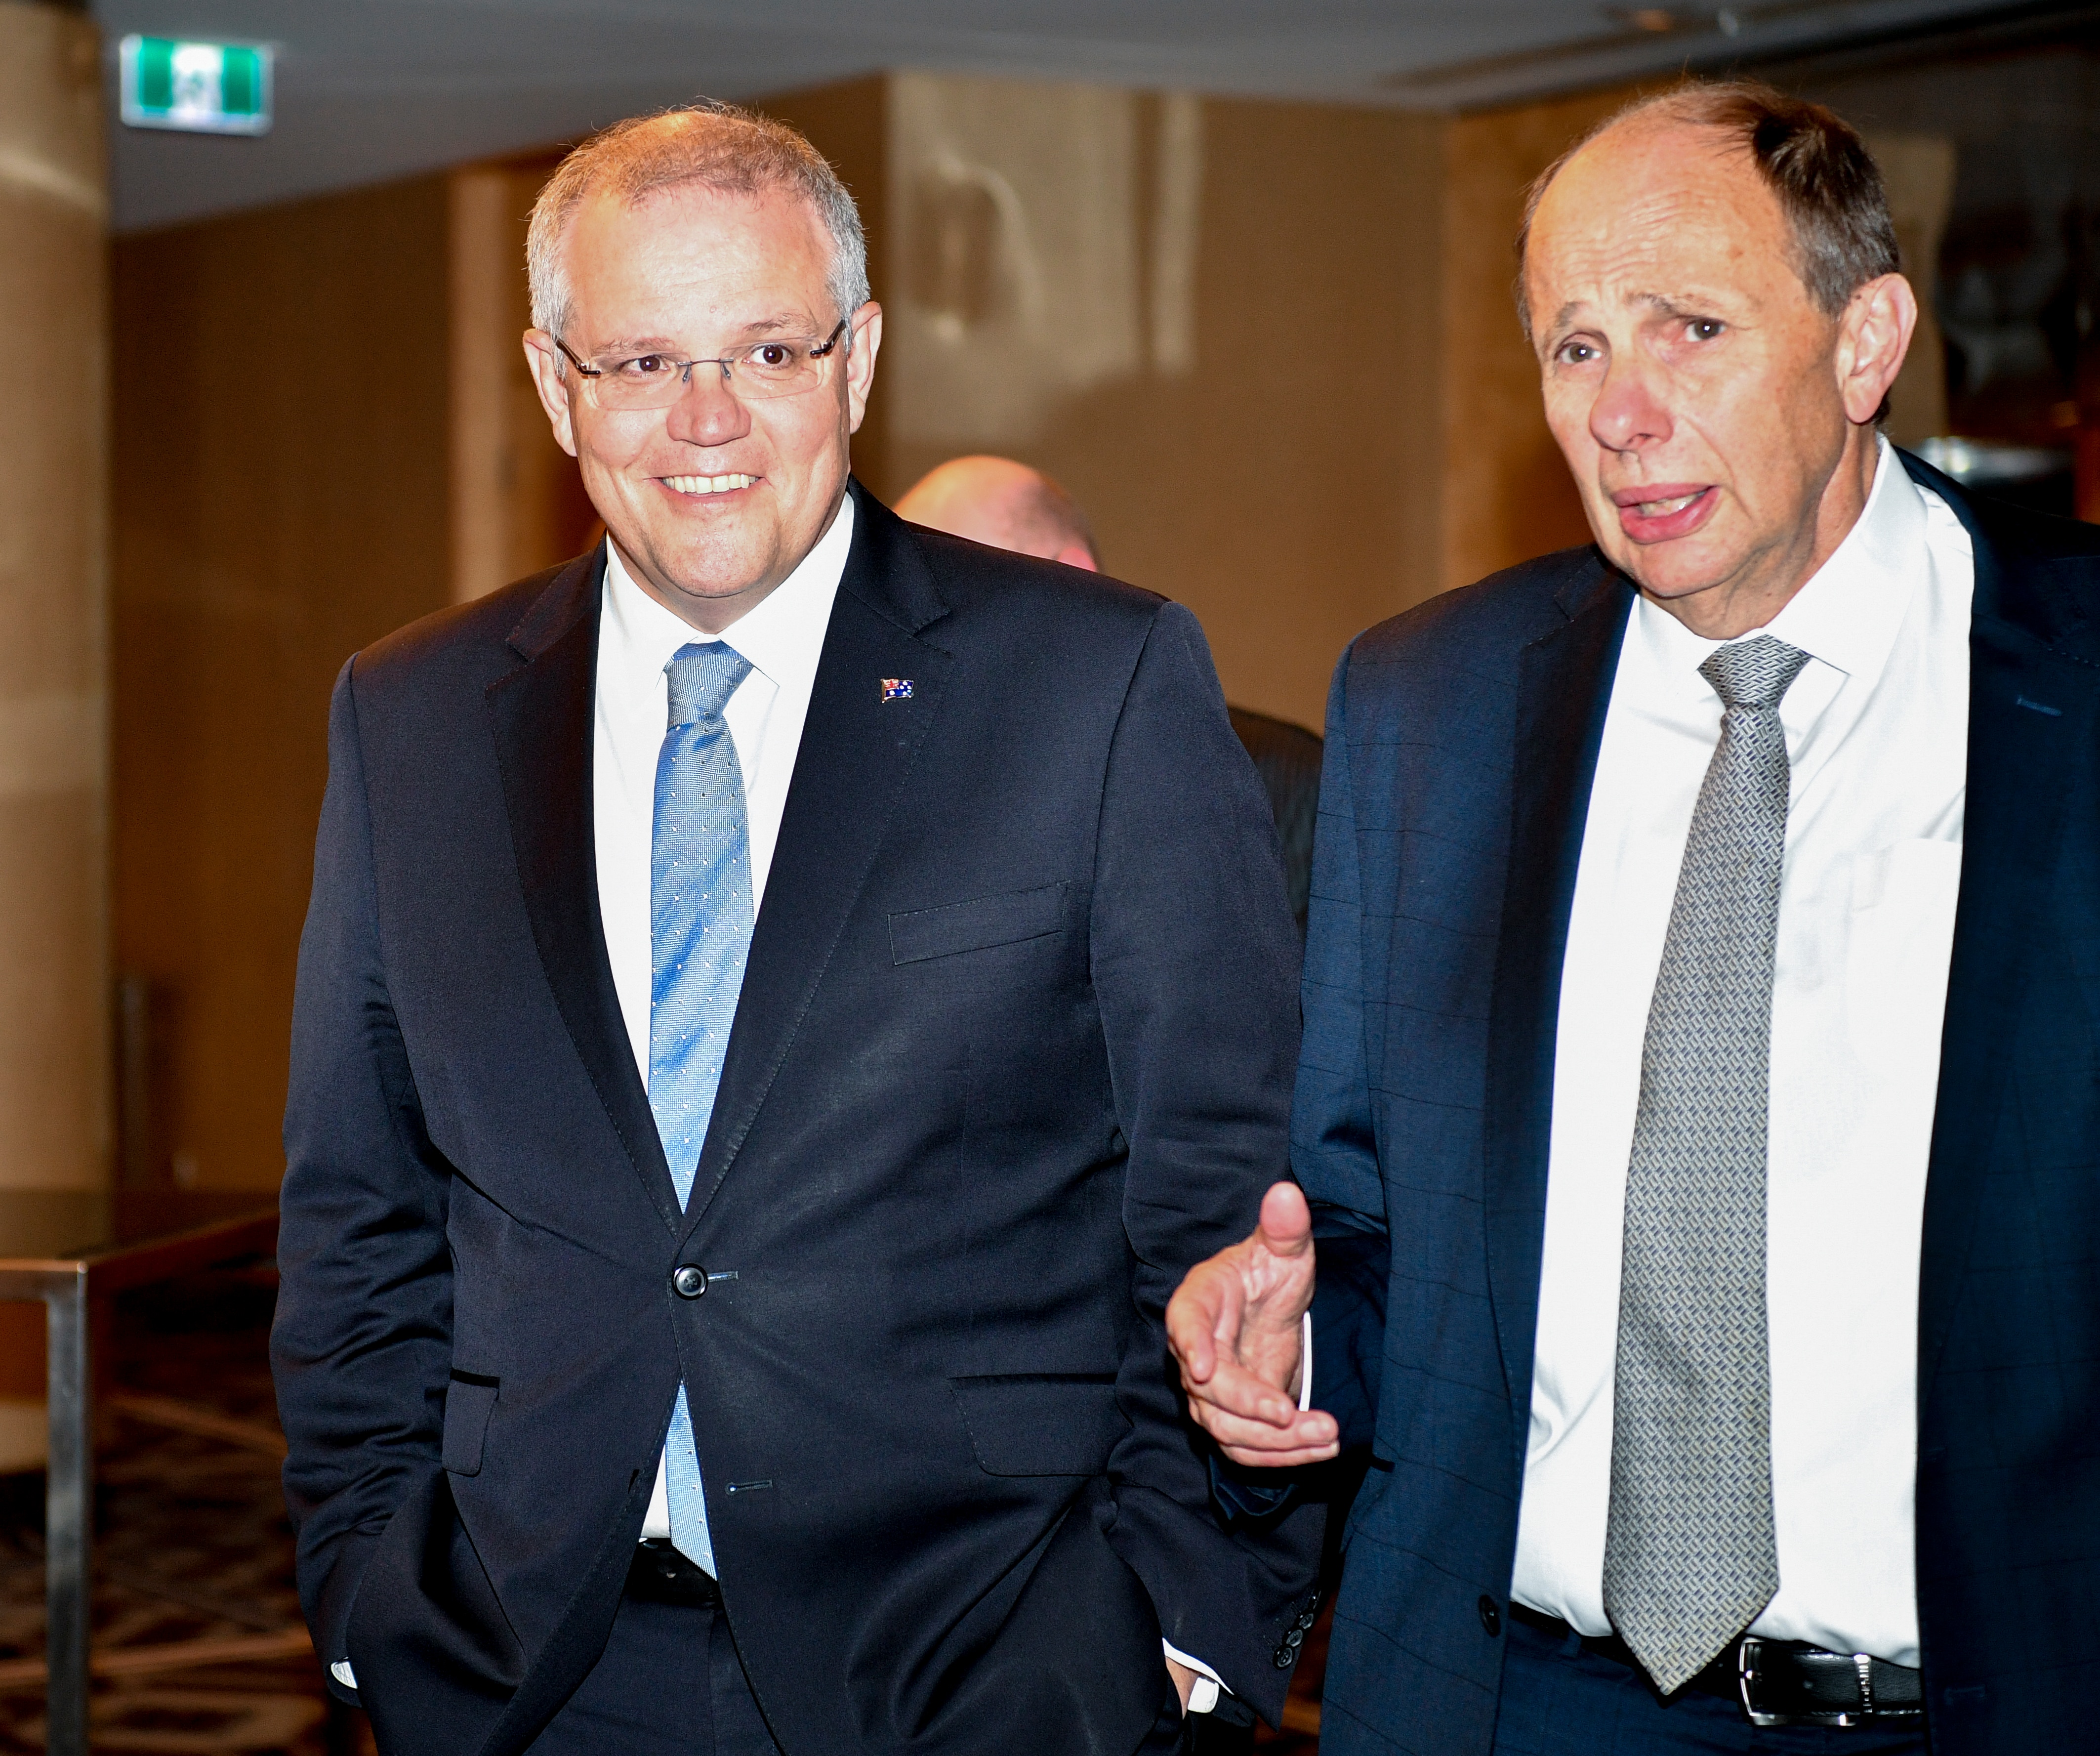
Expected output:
{"points": [[897, 689]]}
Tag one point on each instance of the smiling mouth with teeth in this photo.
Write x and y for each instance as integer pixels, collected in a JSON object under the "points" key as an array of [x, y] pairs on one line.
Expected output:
{"points": [[708, 484]]}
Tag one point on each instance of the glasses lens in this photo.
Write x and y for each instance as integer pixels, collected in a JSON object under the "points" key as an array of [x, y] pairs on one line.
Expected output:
{"points": [[775, 369], [648, 381]]}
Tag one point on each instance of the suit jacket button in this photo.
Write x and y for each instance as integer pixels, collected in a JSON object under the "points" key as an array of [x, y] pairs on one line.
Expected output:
{"points": [[1491, 1615], [1282, 1658], [689, 1283]]}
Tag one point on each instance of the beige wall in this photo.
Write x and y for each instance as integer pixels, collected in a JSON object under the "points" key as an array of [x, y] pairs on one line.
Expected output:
{"points": [[281, 481], [1209, 319], [517, 503], [1505, 493], [54, 1111], [55, 1130]]}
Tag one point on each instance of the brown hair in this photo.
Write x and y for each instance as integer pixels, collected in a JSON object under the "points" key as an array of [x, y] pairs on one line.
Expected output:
{"points": [[1812, 159], [719, 145]]}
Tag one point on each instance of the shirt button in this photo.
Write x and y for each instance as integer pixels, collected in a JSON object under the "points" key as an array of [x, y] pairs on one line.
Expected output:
{"points": [[1491, 1615], [689, 1283]]}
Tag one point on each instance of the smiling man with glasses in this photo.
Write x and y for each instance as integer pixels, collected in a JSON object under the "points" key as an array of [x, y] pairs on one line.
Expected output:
{"points": [[786, 996]]}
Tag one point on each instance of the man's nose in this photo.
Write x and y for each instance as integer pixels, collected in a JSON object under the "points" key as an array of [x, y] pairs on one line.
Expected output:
{"points": [[1631, 410], [707, 411]]}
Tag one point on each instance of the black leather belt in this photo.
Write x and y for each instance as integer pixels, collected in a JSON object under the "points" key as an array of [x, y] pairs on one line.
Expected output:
{"points": [[1780, 1683], [659, 1574]]}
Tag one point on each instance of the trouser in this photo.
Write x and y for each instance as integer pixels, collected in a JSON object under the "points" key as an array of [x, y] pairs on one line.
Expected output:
{"points": [[1558, 1699], [670, 1683]]}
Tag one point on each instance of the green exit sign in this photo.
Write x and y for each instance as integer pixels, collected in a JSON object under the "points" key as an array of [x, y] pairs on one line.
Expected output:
{"points": [[211, 88]]}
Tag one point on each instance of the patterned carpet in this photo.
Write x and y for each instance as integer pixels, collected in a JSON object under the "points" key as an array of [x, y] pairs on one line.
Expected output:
{"points": [[192, 1544]]}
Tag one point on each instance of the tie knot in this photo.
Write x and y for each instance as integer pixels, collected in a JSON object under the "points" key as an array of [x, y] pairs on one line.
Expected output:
{"points": [[702, 680], [1752, 674]]}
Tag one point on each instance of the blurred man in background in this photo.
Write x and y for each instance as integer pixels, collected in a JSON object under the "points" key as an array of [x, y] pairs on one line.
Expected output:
{"points": [[1007, 504]]}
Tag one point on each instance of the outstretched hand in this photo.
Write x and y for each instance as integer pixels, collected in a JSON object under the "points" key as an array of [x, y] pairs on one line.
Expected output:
{"points": [[1235, 1325]]}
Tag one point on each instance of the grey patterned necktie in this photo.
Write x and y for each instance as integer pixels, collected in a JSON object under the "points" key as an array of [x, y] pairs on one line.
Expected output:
{"points": [[1690, 1555]]}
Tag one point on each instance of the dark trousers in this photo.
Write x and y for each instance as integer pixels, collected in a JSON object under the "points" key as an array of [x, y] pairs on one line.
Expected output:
{"points": [[1560, 1700], [669, 1683]]}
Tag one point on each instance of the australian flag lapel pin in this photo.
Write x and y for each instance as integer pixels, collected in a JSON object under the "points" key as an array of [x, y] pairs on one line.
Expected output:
{"points": [[897, 689]]}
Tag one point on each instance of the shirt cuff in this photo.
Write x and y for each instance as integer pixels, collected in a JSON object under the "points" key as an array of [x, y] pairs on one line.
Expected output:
{"points": [[1203, 1698], [342, 1673], [1305, 1363]]}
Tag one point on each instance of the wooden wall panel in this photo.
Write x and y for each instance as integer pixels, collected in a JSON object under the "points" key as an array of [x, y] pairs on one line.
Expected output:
{"points": [[281, 479], [1212, 321], [517, 504], [1507, 494], [54, 769]]}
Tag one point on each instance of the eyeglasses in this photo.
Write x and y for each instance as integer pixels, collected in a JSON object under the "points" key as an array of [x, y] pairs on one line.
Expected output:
{"points": [[784, 366]]}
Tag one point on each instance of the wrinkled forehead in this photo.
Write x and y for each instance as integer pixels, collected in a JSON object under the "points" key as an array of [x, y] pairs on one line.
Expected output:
{"points": [[1657, 208]]}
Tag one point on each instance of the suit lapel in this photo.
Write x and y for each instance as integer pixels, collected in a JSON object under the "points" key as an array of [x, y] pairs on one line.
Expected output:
{"points": [[856, 750], [2033, 713], [542, 716], [1564, 686]]}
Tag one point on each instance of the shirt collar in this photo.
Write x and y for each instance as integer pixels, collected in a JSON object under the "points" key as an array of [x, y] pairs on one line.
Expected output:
{"points": [[1848, 613], [782, 635]]}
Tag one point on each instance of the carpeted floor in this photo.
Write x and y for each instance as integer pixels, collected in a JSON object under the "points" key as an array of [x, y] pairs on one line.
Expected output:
{"points": [[192, 1544]]}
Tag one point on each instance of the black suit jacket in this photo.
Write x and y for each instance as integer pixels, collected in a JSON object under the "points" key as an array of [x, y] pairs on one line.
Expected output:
{"points": [[1462, 743], [1287, 758], [1013, 1050]]}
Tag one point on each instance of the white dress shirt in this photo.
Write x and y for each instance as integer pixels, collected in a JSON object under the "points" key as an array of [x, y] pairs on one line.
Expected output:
{"points": [[1877, 727], [782, 636]]}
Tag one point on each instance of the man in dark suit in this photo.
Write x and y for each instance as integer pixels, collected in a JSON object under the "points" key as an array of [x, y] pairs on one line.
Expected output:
{"points": [[1698, 1105], [1010, 505], [785, 998]]}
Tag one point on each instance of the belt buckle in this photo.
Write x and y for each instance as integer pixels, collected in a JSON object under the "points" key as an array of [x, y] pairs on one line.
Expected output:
{"points": [[1748, 1651]]}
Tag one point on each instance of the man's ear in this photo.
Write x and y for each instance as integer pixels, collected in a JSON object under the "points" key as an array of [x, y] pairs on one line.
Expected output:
{"points": [[1873, 336], [860, 362], [544, 360]]}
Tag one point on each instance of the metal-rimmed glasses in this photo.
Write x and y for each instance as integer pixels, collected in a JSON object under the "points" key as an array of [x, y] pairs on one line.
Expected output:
{"points": [[778, 366]]}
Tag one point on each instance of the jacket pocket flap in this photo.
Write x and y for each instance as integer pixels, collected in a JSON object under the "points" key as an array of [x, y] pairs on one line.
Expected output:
{"points": [[1040, 1426], [1006, 918], [469, 1400]]}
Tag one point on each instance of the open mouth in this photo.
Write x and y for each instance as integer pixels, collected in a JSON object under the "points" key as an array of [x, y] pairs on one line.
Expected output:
{"points": [[1655, 512], [708, 484], [1662, 509]]}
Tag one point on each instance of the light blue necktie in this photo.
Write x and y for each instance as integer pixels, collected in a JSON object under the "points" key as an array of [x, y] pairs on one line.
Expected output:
{"points": [[699, 927]]}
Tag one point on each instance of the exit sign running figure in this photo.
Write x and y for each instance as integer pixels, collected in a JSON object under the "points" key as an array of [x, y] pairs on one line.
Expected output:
{"points": [[210, 88]]}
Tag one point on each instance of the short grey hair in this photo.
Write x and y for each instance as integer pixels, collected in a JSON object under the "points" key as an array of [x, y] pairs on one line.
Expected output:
{"points": [[1811, 158], [719, 146]]}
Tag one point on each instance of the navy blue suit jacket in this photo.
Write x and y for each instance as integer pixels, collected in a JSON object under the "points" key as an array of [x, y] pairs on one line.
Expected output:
{"points": [[1013, 1051], [1462, 741]]}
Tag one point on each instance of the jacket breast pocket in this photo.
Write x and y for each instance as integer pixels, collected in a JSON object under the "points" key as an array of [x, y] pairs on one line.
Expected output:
{"points": [[1006, 918], [469, 1400], [1040, 1426]]}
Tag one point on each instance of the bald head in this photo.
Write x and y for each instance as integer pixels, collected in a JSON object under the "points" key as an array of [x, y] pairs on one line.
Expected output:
{"points": [[1004, 504]]}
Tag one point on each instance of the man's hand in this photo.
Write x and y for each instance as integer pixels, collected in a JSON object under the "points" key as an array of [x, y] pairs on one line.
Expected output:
{"points": [[1235, 1325], [1184, 1680]]}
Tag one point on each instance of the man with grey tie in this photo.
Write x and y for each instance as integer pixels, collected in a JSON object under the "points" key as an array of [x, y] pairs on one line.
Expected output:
{"points": [[1697, 1109], [786, 997]]}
